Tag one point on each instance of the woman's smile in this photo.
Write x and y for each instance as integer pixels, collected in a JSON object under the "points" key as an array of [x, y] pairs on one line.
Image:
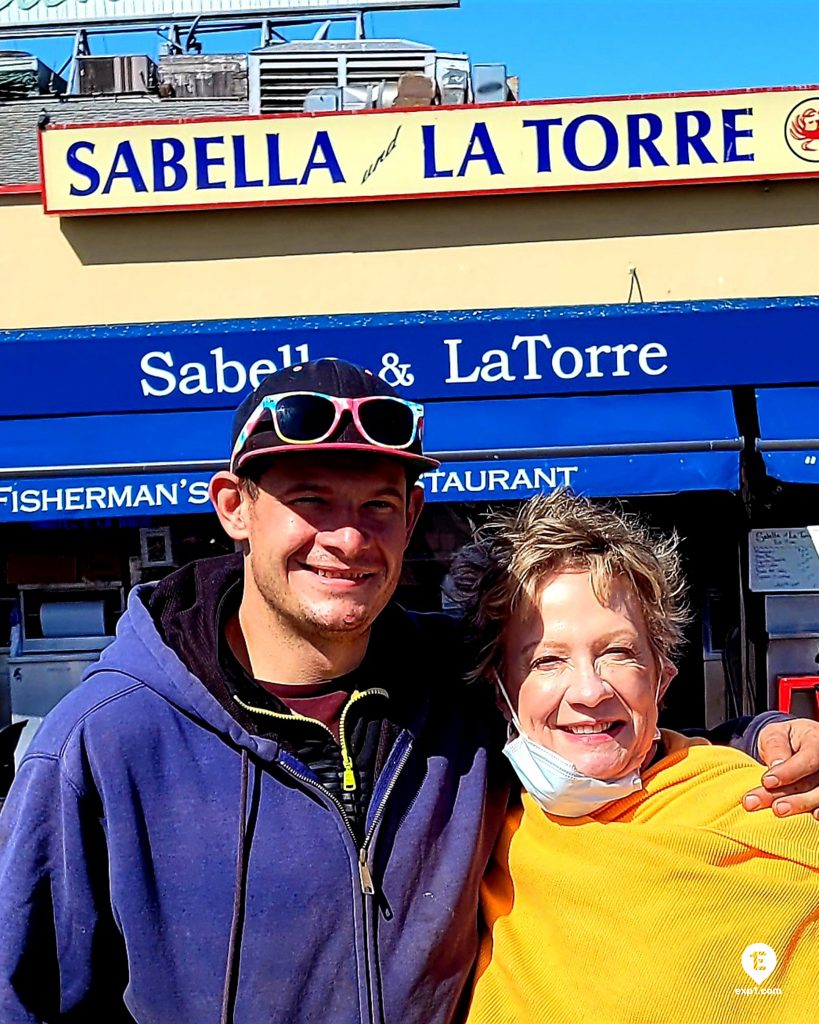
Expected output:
{"points": [[596, 732]]}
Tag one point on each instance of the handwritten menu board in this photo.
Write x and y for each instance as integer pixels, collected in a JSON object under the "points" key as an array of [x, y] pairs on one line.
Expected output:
{"points": [[785, 560]]}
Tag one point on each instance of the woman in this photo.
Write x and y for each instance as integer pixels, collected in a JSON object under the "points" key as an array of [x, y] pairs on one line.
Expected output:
{"points": [[629, 885]]}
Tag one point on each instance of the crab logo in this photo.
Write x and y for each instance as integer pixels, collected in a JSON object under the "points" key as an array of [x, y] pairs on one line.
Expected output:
{"points": [[802, 130]]}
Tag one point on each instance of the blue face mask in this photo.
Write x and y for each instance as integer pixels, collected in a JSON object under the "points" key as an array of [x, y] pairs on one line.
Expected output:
{"points": [[557, 786]]}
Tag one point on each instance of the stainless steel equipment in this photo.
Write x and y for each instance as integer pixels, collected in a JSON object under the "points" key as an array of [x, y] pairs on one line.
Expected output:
{"points": [[489, 83], [130, 73], [713, 642], [784, 565], [64, 627], [793, 638], [204, 75]]}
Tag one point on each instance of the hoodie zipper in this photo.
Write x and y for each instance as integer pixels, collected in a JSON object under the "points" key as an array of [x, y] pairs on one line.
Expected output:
{"points": [[367, 887], [348, 782], [364, 873], [363, 856], [324, 792]]}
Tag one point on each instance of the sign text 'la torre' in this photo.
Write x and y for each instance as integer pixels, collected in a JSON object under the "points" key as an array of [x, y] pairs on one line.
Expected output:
{"points": [[437, 151]]}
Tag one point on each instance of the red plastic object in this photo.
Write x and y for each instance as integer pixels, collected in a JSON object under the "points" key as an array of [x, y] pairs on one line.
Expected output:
{"points": [[799, 695]]}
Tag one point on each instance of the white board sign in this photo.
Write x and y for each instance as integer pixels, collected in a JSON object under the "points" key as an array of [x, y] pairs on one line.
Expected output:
{"points": [[784, 560], [23, 14]]}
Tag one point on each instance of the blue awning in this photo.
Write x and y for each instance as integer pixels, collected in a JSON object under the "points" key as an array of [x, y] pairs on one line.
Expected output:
{"points": [[599, 445], [134, 442], [157, 463], [789, 433]]}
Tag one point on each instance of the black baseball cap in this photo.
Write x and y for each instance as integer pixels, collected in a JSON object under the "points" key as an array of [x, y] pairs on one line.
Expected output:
{"points": [[334, 377]]}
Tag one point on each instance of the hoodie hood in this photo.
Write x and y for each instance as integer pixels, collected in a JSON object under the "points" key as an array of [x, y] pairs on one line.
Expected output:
{"points": [[141, 653]]}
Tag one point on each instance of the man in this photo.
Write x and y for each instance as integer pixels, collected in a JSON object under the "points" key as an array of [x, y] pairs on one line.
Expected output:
{"points": [[271, 802]]}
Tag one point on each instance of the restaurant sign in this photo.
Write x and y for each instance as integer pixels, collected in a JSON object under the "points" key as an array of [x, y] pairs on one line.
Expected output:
{"points": [[437, 151], [27, 499]]}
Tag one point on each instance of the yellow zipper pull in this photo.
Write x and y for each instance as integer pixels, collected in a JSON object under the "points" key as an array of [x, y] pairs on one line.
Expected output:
{"points": [[348, 784], [367, 886]]}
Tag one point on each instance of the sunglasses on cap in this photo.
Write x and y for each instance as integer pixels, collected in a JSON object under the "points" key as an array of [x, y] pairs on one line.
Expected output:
{"points": [[310, 417]]}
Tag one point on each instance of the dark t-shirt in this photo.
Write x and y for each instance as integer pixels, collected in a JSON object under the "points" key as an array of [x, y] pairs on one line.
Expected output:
{"points": [[323, 701]]}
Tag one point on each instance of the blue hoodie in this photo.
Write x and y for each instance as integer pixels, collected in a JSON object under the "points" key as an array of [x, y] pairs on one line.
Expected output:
{"points": [[159, 864]]}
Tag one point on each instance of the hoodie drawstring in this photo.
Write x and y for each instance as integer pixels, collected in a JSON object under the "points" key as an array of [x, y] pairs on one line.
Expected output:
{"points": [[236, 923]]}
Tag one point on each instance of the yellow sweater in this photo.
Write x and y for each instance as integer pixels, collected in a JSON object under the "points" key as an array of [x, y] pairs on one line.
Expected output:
{"points": [[640, 913]]}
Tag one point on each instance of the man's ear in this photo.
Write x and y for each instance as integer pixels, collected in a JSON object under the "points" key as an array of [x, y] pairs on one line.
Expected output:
{"points": [[231, 502], [415, 504]]}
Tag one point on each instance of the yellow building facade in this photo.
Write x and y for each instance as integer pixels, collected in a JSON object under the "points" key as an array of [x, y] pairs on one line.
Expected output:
{"points": [[686, 243]]}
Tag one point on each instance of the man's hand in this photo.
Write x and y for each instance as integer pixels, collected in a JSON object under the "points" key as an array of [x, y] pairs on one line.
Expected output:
{"points": [[791, 784]]}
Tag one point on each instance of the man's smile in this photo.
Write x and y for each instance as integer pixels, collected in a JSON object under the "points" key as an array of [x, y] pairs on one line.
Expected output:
{"points": [[338, 575]]}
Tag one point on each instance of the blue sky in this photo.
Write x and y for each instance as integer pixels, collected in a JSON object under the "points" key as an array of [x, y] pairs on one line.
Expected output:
{"points": [[589, 47]]}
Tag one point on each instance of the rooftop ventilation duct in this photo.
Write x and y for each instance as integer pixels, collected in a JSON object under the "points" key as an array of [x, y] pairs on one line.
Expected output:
{"points": [[282, 76]]}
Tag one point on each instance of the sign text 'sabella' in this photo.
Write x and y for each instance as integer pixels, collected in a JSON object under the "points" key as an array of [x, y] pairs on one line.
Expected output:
{"points": [[516, 147]]}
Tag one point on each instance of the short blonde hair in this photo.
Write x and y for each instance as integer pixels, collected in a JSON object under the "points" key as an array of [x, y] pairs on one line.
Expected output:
{"points": [[517, 548]]}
